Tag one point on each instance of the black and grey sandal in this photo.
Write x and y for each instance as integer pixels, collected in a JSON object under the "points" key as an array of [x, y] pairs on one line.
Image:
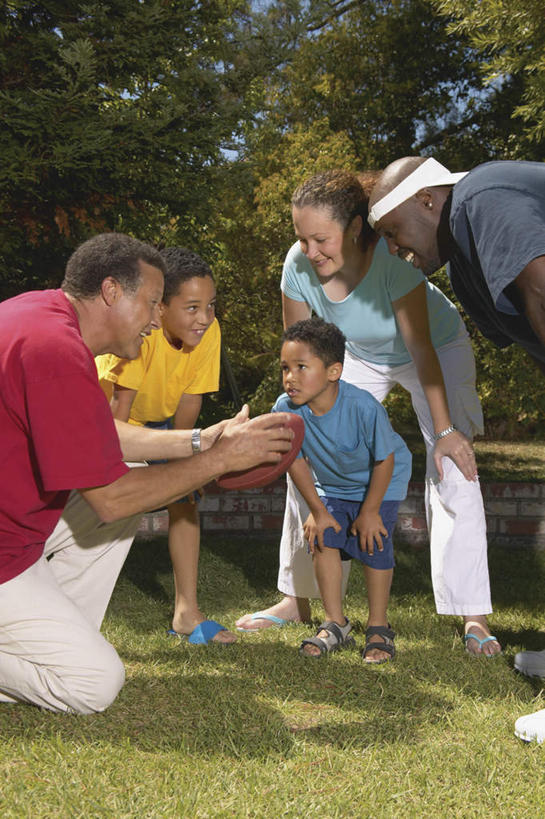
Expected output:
{"points": [[388, 634], [337, 637]]}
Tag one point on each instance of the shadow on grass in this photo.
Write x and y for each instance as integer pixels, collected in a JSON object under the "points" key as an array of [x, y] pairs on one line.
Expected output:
{"points": [[245, 569], [258, 698], [221, 710]]}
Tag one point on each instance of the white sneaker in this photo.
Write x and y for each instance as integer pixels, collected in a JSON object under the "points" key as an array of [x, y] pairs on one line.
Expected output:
{"points": [[531, 663], [531, 727]]}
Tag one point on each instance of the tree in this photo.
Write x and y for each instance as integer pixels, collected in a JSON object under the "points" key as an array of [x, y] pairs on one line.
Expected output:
{"points": [[114, 117], [510, 36], [364, 83]]}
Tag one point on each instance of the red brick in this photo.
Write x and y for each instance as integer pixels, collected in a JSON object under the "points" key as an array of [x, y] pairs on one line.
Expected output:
{"points": [[245, 504], [523, 526], [160, 522], [531, 509], [272, 523], [512, 490], [500, 508], [228, 522], [278, 504]]}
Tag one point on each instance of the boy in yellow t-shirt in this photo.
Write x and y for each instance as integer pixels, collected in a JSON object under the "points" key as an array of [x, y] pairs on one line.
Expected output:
{"points": [[164, 387]]}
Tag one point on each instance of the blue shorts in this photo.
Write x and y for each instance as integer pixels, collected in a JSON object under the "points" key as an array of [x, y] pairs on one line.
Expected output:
{"points": [[169, 424], [345, 512]]}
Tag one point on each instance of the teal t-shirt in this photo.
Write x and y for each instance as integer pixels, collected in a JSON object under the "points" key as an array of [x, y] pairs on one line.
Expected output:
{"points": [[342, 445], [366, 316]]}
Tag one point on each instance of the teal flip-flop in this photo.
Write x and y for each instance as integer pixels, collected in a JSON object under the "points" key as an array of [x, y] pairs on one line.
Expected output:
{"points": [[201, 634], [489, 639], [262, 615]]}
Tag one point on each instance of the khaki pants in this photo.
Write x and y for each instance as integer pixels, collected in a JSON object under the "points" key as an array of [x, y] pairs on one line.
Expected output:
{"points": [[52, 653]]}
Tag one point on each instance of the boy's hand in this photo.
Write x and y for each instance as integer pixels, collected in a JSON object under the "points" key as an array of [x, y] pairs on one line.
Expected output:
{"points": [[315, 526], [369, 527]]}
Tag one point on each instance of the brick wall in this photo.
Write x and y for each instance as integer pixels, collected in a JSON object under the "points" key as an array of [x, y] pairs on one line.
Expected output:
{"points": [[515, 513]]}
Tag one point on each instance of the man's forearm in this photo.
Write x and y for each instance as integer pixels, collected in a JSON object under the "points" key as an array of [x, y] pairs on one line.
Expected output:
{"points": [[241, 445], [142, 490], [144, 444]]}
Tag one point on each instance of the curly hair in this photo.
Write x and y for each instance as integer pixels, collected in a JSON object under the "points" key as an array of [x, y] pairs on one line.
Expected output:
{"points": [[324, 339], [108, 254], [181, 265], [344, 194]]}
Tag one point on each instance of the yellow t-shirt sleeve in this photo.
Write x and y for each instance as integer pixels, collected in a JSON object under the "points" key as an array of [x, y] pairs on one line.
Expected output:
{"points": [[129, 374]]}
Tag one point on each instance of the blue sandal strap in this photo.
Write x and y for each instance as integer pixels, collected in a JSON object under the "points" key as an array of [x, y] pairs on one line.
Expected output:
{"points": [[262, 615], [489, 639], [201, 634]]}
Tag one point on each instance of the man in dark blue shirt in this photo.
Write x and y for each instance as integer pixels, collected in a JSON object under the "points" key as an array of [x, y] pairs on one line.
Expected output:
{"points": [[489, 225]]}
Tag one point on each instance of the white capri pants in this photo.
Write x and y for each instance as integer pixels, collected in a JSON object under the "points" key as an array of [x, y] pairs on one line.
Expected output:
{"points": [[52, 653], [454, 506]]}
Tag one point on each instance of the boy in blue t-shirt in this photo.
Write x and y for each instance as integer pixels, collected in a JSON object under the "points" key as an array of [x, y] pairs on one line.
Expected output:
{"points": [[354, 473]]}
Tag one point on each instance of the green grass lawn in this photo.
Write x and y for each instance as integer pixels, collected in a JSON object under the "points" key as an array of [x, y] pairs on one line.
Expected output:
{"points": [[254, 730]]}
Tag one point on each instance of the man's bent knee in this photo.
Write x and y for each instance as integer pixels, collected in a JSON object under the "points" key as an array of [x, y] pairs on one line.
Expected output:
{"points": [[96, 686]]}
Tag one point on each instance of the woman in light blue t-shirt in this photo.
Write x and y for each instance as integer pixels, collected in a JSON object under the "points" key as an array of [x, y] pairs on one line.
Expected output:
{"points": [[400, 329]]}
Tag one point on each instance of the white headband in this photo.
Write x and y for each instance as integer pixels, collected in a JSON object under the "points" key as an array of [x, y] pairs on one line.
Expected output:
{"points": [[430, 174]]}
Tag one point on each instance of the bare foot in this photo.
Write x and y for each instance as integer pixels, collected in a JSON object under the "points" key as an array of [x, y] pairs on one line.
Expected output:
{"points": [[290, 609], [477, 625], [185, 625]]}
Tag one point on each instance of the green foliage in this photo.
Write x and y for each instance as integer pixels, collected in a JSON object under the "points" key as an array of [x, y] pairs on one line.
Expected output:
{"points": [[371, 82], [253, 231], [192, 123], [510, 36], [114, 117], [506, 382]]}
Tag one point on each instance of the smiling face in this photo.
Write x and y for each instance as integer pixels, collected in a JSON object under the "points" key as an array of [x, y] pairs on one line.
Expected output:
{"points": [[135, 315], [328, 247], [306, 379], [189, 312], [411, 230]]}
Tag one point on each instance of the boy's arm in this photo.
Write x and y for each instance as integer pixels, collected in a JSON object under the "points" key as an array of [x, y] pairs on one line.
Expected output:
{"points": [[121, 403], [185, 417], [368, 524], [187, 411], [319, 519]]}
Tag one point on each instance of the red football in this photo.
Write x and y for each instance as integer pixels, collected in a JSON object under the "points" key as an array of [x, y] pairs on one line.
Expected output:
{"points": [[263, 474]]}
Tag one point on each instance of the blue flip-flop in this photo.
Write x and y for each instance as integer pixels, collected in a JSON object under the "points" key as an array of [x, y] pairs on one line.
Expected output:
{"points": [[201, 634], [262, 615], [489, 639]]}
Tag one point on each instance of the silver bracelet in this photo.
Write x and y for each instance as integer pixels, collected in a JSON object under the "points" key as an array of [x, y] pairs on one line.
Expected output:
{"points": [[196, 440], [444, 432]]}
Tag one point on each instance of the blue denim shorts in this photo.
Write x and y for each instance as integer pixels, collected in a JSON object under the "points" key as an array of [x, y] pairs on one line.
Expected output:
{"points": [[345, 512]]}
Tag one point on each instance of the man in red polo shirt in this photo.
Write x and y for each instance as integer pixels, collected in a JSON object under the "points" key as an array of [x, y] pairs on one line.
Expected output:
{"points": [[57, 435]]}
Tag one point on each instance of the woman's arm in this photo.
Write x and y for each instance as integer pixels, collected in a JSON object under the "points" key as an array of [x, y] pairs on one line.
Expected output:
{"points": [[411, 312], [293, 311]]}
